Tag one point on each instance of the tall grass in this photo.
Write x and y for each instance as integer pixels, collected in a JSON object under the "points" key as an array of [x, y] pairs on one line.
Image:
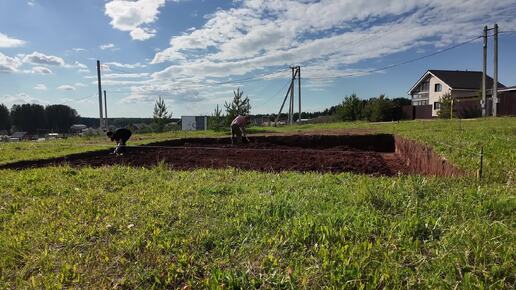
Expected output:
{"points": [[123, 227], [142, 228]]}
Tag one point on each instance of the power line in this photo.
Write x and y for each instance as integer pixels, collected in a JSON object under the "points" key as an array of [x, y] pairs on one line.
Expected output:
{"points": [[262, 76], [275, 94], [118, 70], [244, 80], [237, 81], [403, 62]]}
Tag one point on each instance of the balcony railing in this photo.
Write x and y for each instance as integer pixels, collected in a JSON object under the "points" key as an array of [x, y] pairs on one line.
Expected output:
{"points": [[420, 95]]}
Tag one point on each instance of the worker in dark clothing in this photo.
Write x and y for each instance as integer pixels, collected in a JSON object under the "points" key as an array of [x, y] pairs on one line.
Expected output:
{"points": [[120, 136]]}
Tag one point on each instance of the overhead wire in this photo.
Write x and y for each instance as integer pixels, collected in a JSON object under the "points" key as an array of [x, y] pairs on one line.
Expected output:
{"points": [[275, 94], [401, 63], [264, 75]]}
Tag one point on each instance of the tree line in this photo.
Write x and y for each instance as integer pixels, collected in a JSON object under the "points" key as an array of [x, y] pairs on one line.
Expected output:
{"points": [[34, 118], [378, 109], [352, 108]]}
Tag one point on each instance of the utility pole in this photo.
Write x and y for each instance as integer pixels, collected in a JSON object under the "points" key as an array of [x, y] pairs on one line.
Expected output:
{"points": [[100, 94], [296, 72], [105, 111], [282, 105], [299, 92], [495, 71], [291, 112], [484, 69]]}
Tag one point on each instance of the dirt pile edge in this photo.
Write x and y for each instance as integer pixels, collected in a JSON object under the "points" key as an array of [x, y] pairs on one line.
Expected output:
{"points": [[423, 160]]}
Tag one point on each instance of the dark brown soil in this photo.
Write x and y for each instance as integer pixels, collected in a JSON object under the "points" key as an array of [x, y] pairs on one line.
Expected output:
{"points": [[367, 154]]}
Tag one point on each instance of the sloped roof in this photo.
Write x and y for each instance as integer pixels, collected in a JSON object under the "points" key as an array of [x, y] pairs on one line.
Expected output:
{"points": [[508, 89], [18, 134], [457, 79]]}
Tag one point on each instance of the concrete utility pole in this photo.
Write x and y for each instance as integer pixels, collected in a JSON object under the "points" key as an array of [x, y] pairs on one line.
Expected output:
{"points": [[495, 71], [296, 72], [282, 105], [100, 94], [105, 111], [299, 92], [484, 69], [291, 111]]}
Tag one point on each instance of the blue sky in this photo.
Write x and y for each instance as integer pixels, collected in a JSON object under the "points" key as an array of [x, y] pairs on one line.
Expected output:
{"points": [[181, 49]]}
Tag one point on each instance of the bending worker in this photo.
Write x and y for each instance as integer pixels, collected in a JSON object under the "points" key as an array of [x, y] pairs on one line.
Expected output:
{"points": [[238, 128], [120, 137]]}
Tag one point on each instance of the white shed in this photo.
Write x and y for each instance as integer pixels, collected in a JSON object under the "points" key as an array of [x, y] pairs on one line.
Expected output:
{"points": [[194, 123]]}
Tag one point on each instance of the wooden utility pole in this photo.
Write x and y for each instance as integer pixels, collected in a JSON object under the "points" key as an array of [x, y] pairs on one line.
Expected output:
{"points": [[100, 95], [495, 71], [484, 69], [299, 92], [105, 112]]}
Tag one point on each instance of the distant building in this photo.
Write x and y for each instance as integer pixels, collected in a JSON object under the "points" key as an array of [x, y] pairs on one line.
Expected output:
{"points": [[18, 136], [194, 123], [4, 135], [53, 136], [77, 128], [461, 85]]}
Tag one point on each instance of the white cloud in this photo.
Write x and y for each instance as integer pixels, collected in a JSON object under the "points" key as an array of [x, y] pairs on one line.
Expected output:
{"points": [[78, 49], [8, 42], [134, 16], [20, 98], [107, 46], [41, 70], [125, 65], [66, 88], [41, 58], [31, 3], [40, 87], [9, 64], [80, 85], [325, 37], [125, 76], [86, 71], [79, 65], [142, 34]]}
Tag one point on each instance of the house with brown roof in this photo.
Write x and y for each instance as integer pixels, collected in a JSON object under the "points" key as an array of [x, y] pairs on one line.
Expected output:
{"points": [[461, 85]]}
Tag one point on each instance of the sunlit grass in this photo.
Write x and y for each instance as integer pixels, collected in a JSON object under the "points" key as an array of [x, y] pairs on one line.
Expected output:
{"points": [[126, 227]]}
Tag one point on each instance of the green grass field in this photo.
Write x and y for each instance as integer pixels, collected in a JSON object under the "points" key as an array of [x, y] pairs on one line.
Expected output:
{"points": [[124, 227]]}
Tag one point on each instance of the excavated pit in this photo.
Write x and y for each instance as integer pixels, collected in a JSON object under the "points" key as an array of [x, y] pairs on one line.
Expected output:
{"points": [[375, 154]]}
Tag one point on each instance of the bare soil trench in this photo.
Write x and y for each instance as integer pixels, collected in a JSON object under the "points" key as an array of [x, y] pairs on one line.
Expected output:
{"points": [[365, 154]]}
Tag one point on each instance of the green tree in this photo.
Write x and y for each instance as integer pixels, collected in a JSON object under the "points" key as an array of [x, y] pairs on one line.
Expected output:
{"points": [[28, 117], [445, 102], [216, 120], [239, 106], [60, 118], [5, 118], [378, 109], [351, 108], [397, 108], [160, 114]]}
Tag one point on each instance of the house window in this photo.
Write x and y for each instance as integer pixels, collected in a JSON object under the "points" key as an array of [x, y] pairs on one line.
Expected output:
{"points": [[437, 106], [438, 88], [420, 103]]}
